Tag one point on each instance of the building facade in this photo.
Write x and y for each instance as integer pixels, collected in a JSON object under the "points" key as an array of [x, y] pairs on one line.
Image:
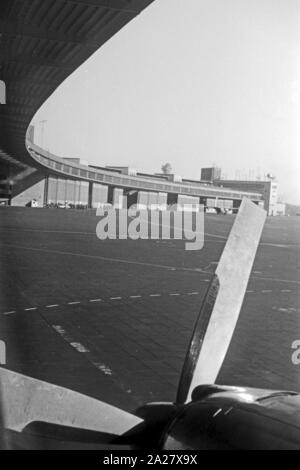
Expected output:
{"points": [[268, 189], [211, 174]]}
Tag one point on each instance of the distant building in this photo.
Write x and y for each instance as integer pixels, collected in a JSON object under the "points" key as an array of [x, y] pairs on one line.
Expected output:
{"points": [[210, 174], [124, 170], [170, 177], [268, 189], [280, 208], [292, 209], [76, 160]]}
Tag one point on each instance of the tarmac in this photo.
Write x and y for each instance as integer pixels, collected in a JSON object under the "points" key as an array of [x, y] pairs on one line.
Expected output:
{"points": [[113, 319]]}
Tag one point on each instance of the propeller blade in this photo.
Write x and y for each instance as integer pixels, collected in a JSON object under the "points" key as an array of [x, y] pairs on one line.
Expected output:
{"points": [[25, 400], [221, 306]]}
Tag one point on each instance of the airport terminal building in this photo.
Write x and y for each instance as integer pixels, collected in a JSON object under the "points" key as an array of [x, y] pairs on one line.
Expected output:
{"points": [[53, 181], [56, 181], [30, 73]]}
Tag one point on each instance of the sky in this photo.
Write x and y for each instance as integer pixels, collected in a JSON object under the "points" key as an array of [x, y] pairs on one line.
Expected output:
{"points": [[193, 83]]}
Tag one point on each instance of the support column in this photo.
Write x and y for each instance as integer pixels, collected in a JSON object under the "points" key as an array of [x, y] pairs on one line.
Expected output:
{"points": [[118, 198], [90, 198], [46, 187]]}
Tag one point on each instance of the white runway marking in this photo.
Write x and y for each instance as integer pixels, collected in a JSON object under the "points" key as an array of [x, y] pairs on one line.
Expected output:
{"points": [[105, 369], [278, 245], [273, 245], [217, 412], [135, 297], [215, 236], [59, 329], [135, 263], [102, 258], [79, 347], [286, 309], [110, 260], [274, 279], [70, 232]]}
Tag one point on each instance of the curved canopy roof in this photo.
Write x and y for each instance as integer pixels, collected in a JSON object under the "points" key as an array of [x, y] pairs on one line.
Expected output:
{"points": [[41, 43]]}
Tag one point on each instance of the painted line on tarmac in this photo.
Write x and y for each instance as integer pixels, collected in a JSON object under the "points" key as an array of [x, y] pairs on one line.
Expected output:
{"points": [[79, 347], [72, 232], [273, 279], [104, 258], [278, 245], [8, 229], [273, 245], [135, 297], [286, 309], [105, 369], [217, 412], [217, 238], [140, 263]]}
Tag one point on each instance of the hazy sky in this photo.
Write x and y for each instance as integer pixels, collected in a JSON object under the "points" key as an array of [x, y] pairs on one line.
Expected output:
{"points": [[191, 82]]}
